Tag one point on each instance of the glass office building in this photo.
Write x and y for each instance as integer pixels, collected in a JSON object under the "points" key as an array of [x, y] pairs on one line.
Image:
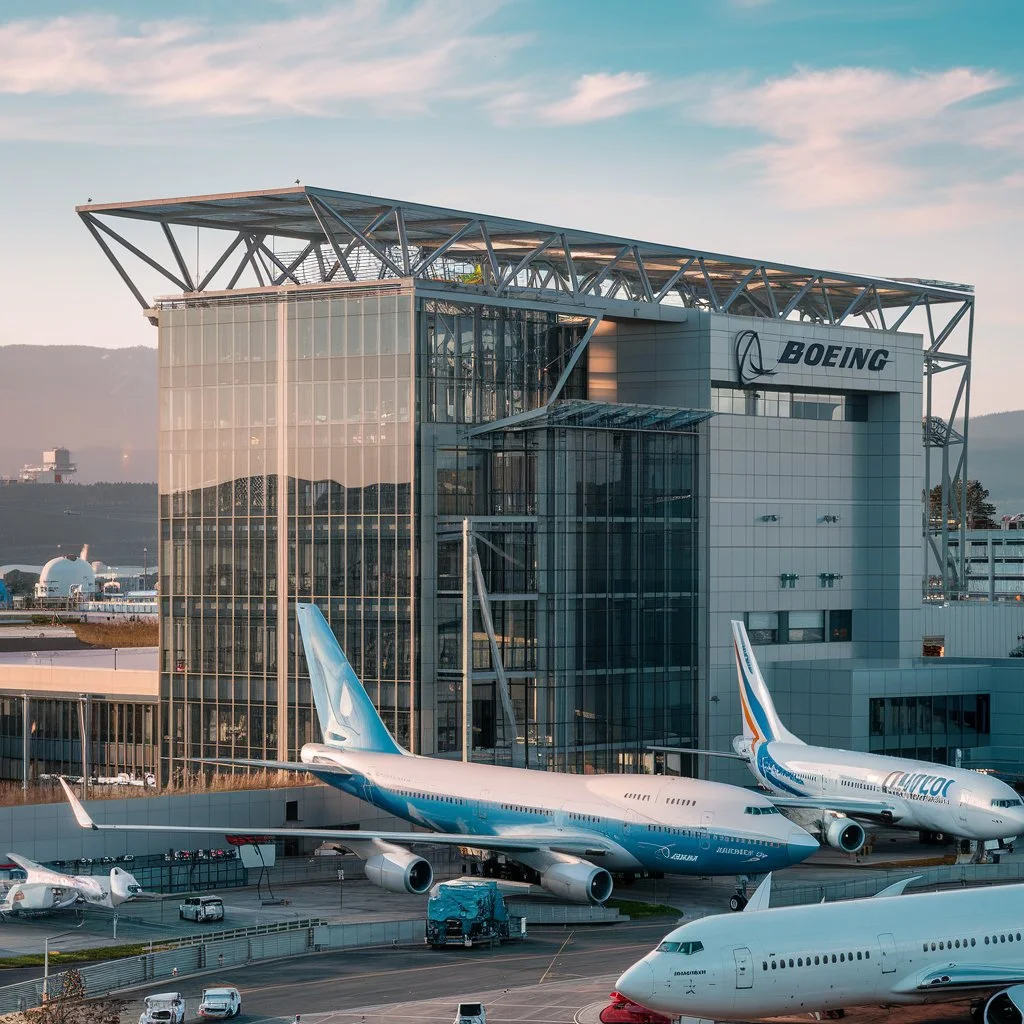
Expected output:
{"points": [[529, 473]]}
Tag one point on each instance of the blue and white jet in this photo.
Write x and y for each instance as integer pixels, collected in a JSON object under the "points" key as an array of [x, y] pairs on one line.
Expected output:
{"points": [[825, 789], [572, 830]]}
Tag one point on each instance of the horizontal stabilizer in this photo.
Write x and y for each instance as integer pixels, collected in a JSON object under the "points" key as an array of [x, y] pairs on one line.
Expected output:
{"points": [[706, 753]]}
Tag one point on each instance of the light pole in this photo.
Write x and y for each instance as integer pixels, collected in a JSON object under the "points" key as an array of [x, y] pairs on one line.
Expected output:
{"points": [[145, 569], [46, 957]]}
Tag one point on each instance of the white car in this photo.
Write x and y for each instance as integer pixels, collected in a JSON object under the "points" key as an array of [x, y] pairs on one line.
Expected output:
{"points": [[201, 908], [471, 1013], [220, 1003], [164, 1008]]}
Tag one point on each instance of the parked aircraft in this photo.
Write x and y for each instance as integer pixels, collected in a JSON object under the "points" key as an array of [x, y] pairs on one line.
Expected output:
{"points": [[572, 830], [44, 889], [825, 789], [884, 950]]}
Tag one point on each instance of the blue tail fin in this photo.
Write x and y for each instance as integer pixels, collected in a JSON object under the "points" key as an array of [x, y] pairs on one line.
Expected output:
{"points": [[347, 716]]}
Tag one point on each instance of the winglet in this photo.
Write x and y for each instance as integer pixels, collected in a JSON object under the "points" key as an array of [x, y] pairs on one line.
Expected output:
{"points": [[762, 896], [896, 889], [80, 813]]}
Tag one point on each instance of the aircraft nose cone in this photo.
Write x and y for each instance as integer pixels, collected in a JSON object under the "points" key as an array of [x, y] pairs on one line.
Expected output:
{"points": [[801, 845], [637, 983]]}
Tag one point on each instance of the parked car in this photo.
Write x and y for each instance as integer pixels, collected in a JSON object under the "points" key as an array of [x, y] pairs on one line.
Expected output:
{"points": [[202, 908], [164, 1008], [471, 1013], [220, 1003]]}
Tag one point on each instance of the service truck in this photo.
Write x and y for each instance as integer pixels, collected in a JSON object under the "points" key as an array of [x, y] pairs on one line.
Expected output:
{"points": [[462, 913]]}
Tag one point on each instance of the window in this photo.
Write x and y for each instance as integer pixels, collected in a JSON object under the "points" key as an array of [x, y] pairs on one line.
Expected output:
{"points": [[806, 627], [840, 625], [763, 627]]}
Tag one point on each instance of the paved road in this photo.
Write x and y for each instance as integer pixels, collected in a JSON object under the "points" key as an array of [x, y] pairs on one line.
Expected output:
{"points": [[326, 983]]}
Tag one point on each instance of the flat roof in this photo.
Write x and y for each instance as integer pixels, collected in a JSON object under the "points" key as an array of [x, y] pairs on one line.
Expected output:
{"points": [[332, 236]]}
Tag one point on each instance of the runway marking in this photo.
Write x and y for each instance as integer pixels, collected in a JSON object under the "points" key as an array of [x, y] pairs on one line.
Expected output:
{"points": [[551, 966]]}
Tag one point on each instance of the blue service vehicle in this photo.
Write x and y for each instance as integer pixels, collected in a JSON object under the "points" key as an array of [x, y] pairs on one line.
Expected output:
{"points": [[465, 913]]}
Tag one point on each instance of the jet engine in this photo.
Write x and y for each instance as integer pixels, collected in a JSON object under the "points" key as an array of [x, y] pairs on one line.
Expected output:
{"points": [[398, 870], [843, 833], [123, 887], [578, 881], [1006, 1007]]}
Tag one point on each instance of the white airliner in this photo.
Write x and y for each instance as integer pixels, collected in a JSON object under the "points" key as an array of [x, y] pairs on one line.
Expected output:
{"points": [[884, 950], [46, 890], [820, 786], [572, 830]]}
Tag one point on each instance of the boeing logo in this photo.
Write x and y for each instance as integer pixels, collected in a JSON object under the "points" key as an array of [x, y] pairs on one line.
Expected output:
{"points": [[752, 365]]}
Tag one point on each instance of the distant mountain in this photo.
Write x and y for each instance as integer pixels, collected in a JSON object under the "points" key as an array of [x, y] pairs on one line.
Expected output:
{"points": [[995, 456], [101, 403]]}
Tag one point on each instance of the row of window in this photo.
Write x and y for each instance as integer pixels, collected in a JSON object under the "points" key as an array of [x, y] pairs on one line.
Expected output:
{"points": [[638, 796], [990, 940], [680, 801], [957, 714], [436, 797], [821, 960], [800, 627], [700, 833], [761, 810], [523, 809], [797, 405]]}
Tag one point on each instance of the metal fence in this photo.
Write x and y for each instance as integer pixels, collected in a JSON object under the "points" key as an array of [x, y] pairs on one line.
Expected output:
{"points": [[540, 913]]}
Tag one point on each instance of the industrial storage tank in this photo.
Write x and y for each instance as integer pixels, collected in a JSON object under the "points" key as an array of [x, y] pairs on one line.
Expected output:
{"points": [[66, 576]]}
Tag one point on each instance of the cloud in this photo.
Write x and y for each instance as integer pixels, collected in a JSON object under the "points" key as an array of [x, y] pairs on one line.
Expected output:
{"points": [[599, 96], [862, 135], [351, 56]]}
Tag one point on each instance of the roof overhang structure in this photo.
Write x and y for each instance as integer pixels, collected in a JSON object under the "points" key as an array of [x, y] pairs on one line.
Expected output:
{"points": [[306, 237]]}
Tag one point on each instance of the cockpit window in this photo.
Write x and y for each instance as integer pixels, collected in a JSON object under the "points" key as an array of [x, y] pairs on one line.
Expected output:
{"points": [[761, 810], [686, 948], [1008, 802]]}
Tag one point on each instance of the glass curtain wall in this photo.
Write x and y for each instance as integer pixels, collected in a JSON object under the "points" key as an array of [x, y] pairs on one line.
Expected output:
{"points": [[285, 473]]}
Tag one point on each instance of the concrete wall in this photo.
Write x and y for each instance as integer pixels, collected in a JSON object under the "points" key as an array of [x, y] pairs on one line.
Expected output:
{"points": [[975, 629], [46, 832]]}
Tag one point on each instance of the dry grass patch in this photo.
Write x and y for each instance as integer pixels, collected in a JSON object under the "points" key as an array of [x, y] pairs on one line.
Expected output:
{"points": [[117, 634]]}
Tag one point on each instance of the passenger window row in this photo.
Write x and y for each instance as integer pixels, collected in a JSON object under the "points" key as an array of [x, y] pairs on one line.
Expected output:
{"points": [[439, 797], [992, 940], [819, 961], [584, 817], [694, 833], [523, 809], [638, 796], [681, 801]]}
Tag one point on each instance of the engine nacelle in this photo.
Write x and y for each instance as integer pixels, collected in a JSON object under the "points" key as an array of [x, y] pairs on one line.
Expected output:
{"points": [[400, 871], [580, 882], [844, 834], [1006, 1007]]}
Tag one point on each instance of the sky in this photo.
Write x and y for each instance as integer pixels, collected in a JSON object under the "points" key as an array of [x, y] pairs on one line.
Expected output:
{"points": [[882, 138]]}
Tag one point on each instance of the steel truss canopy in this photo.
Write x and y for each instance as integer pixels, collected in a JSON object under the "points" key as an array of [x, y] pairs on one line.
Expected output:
{"points": [[583, 414], [306, 235]]}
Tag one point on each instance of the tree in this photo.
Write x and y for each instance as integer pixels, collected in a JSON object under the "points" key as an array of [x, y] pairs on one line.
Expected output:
{"points": [[70, 1006], [980, 511]]}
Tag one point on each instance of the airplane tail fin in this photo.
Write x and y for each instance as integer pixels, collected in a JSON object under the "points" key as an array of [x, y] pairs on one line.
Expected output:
{"points": [[348, 719], [760, 719]]}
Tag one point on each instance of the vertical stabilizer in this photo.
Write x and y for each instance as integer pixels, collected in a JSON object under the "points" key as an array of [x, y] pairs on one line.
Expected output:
{"points": [[347, 716], [760, 719]]}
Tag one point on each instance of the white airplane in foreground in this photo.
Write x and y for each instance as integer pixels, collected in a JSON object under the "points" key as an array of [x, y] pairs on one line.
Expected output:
{"points": [[825, 789], [885, 950], [45, 890], [572, 830]]}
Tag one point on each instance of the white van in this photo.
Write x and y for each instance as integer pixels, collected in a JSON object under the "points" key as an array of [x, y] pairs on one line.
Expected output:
{"points": [[202, 908]]}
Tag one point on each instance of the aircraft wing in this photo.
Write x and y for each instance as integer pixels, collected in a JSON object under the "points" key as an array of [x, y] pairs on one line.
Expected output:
{"points": [[581, 844], [961, 977], [37, 874], [876, 810], [285, 766], [707, 753]]}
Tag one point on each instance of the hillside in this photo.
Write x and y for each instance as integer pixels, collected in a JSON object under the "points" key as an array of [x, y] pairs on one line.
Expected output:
{"points": [[100, 403], [996, 458]]}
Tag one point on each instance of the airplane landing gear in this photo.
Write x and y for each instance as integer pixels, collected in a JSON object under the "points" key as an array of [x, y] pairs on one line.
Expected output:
{"points": [[738, 900]]}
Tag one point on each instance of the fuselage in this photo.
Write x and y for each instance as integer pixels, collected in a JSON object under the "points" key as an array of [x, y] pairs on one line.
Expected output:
{"points": [[899, 949], [653, 823], [922, 795]]}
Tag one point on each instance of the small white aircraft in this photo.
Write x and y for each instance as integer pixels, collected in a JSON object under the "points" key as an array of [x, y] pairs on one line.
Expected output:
{"points": [[930, 947], [46, 890], [825, 789], [573, 831]]}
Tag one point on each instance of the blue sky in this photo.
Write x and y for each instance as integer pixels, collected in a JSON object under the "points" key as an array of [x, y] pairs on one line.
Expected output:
{"points": [[883, 138]]}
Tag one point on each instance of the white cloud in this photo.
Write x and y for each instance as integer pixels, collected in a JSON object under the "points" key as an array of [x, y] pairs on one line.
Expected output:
{"points": [[861, 135], [599, 96], [360, 54]]}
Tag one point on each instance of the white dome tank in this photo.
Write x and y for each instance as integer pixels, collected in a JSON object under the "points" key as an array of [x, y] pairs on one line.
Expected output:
{"points": [[64, 576]]}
